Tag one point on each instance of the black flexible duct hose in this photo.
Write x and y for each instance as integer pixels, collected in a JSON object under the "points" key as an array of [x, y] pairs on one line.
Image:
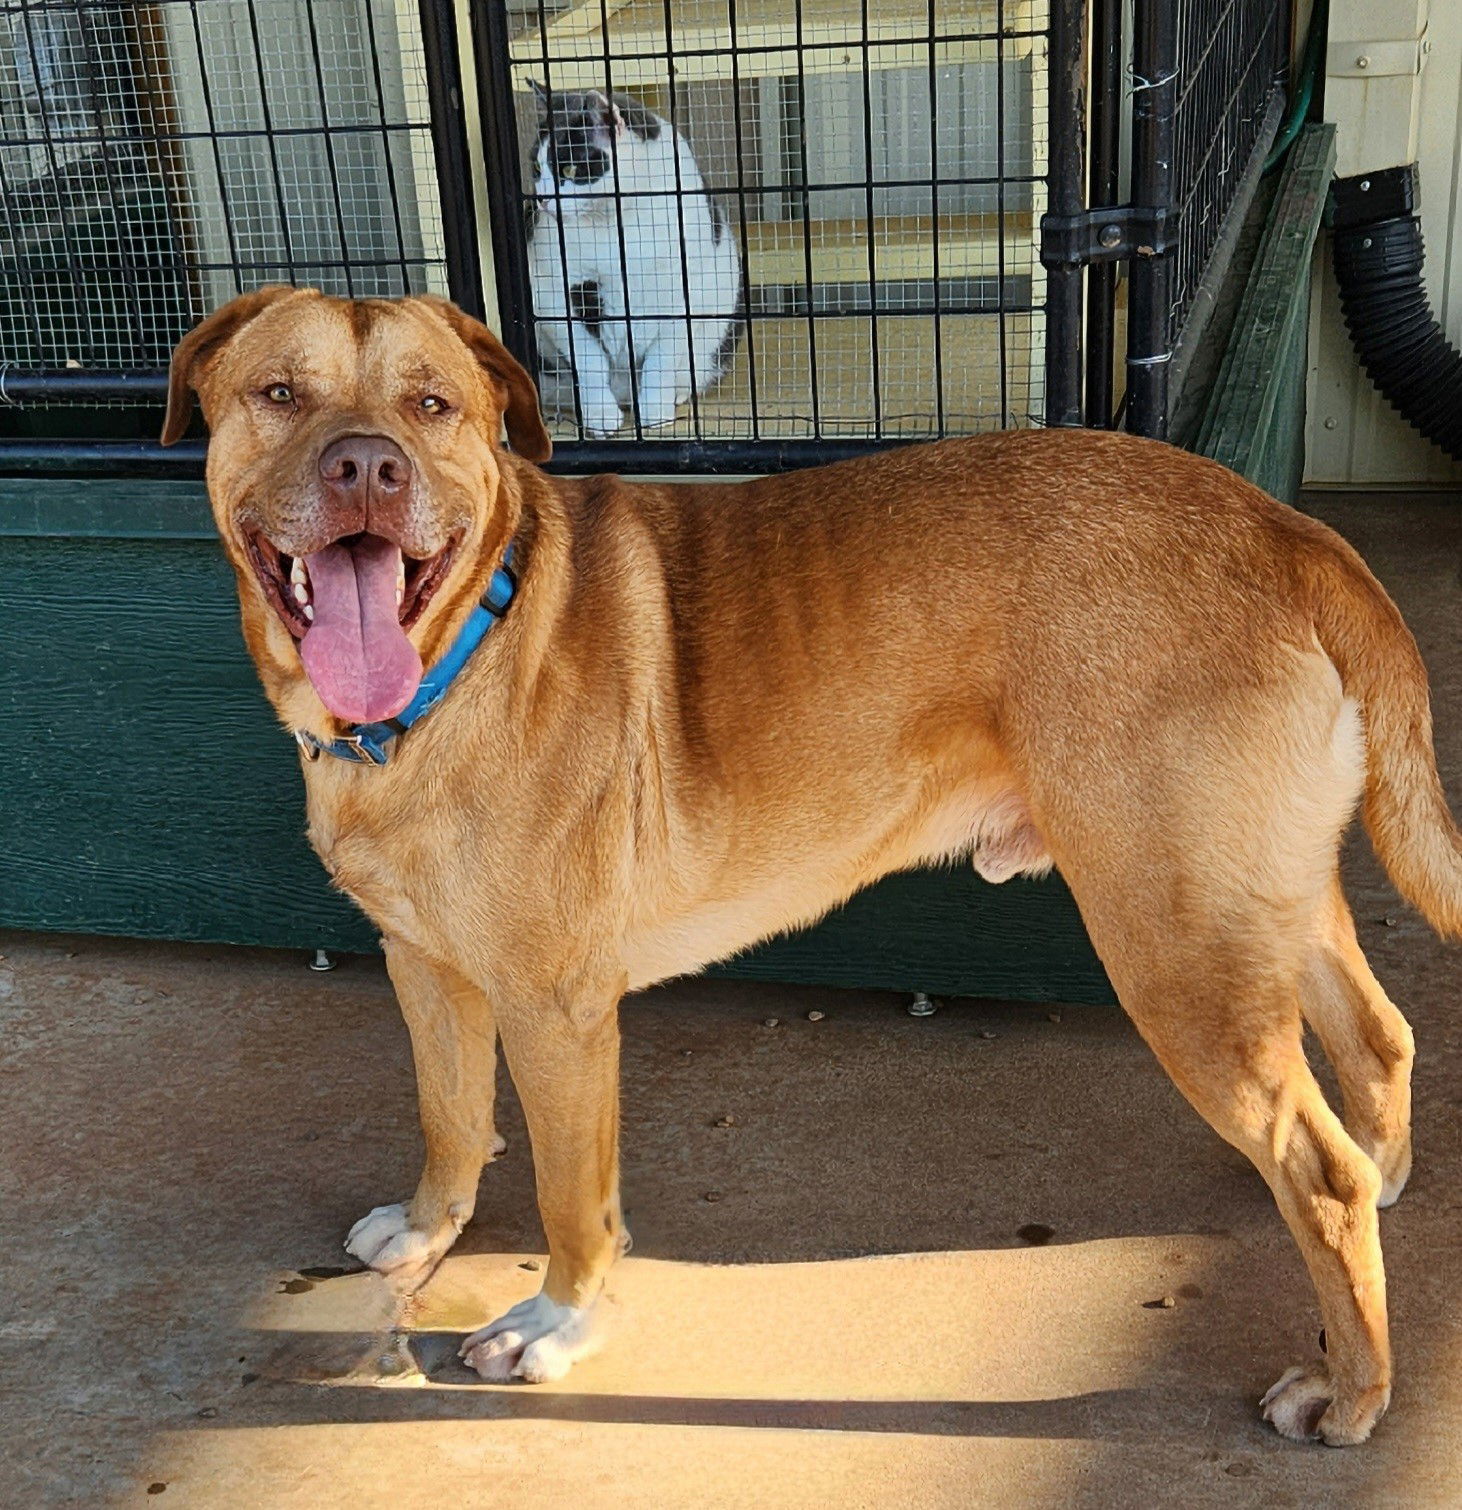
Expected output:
{"points": [[1378, 261]]}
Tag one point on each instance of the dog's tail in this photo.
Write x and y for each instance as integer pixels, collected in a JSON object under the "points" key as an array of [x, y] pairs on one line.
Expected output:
{"points": [[1405, 811]]}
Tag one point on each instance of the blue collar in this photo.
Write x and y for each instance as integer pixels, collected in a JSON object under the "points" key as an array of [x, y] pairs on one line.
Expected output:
{"points": [[370, 744]]}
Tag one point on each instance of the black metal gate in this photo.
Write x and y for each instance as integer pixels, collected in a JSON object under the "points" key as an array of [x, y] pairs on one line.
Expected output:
{"points": [[1201, 83], [928, 220]]}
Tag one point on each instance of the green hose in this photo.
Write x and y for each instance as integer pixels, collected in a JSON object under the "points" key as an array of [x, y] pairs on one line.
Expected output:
{"points": [[1304, 87]]}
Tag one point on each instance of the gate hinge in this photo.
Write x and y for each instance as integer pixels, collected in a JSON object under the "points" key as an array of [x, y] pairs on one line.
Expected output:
{"points": [[1110, 235]]}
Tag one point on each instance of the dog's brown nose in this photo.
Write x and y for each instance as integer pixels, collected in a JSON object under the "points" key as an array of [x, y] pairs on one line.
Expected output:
{"points": [[358, 470]]}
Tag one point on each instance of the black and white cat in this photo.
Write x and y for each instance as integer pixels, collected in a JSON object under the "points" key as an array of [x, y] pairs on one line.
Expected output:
{"points": [[675, 272]]}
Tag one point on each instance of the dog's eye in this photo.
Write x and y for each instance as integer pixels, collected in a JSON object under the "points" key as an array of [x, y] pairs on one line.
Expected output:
{"points": [[434, 404], [279, 393]]}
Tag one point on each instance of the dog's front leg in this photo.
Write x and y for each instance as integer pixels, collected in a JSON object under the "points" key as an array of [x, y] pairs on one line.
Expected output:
{"points": [[565, 1064], [454, 1046]]}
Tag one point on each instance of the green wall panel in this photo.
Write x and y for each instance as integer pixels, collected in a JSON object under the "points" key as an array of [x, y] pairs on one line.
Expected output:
{"points": [[148, 788]]}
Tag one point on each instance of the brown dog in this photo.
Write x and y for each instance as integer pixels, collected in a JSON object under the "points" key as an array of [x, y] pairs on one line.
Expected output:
{"points": [[713, 712]]}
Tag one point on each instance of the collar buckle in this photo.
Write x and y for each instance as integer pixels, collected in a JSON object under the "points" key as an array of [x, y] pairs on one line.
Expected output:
{"points": [[360, 748]]}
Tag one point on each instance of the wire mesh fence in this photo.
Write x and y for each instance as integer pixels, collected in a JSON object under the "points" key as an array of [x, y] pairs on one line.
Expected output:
{"points": [[1207, 82], [727, 233], [157, 159], [761, 220], [1231, 62]]}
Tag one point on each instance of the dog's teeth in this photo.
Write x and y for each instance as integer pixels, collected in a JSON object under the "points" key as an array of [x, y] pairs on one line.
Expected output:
{"points": [[297, 573], [400, 579], [309, 613], [301, 593]]}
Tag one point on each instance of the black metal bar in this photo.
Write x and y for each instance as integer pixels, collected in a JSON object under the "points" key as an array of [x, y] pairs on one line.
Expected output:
{"points": [[449, 150], [1002, 345], [269, 134], [235, 133], [814, 187], [490, 45], [334, 167], [750, 323], [1149, 317], [572, 340], [850, 309], [805, 195], [81, 386], [938, 321], [869, 209], [92, 264], [714, 457], [734, 457], [103, 458], [285, 133], [1103, 186], [629, 325], [1066, 113], [674, 108], [760, 51], [206, 90], [393, 191]]}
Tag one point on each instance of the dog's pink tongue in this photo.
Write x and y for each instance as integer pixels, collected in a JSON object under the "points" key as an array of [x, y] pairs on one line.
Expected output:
{"points": [[355, 652]]}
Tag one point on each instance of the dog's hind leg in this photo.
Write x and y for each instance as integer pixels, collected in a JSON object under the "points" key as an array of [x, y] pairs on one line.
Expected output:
{"points": [[1241, 1063], [1216, 994], [1368, 1042], [453, 1043], [1202, 858]]}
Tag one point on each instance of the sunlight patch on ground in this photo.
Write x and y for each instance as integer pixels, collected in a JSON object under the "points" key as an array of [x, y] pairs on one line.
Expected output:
{"points": [[1006, 1324]]}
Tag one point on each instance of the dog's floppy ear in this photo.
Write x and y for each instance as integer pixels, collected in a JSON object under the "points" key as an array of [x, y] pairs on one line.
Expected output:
{"points": [[521, 414], [205, 340]]}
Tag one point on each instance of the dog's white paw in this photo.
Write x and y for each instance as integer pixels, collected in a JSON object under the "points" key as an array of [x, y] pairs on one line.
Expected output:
{"points": [[385, 1240], [1294, 1404], [1302, 1406], [536, 1341]]}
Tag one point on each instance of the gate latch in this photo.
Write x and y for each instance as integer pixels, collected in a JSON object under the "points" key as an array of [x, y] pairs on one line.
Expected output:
{"points": [[1110, 235]]}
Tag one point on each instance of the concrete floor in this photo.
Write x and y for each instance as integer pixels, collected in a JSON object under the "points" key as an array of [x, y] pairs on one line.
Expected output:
{"points": [[860, 1317]]}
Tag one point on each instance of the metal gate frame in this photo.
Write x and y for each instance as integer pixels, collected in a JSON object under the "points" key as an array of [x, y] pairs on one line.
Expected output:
{"points": [[1088, 232]]}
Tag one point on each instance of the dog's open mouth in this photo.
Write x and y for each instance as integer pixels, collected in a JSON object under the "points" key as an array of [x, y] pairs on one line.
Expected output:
{"points": [[350, 605]]}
